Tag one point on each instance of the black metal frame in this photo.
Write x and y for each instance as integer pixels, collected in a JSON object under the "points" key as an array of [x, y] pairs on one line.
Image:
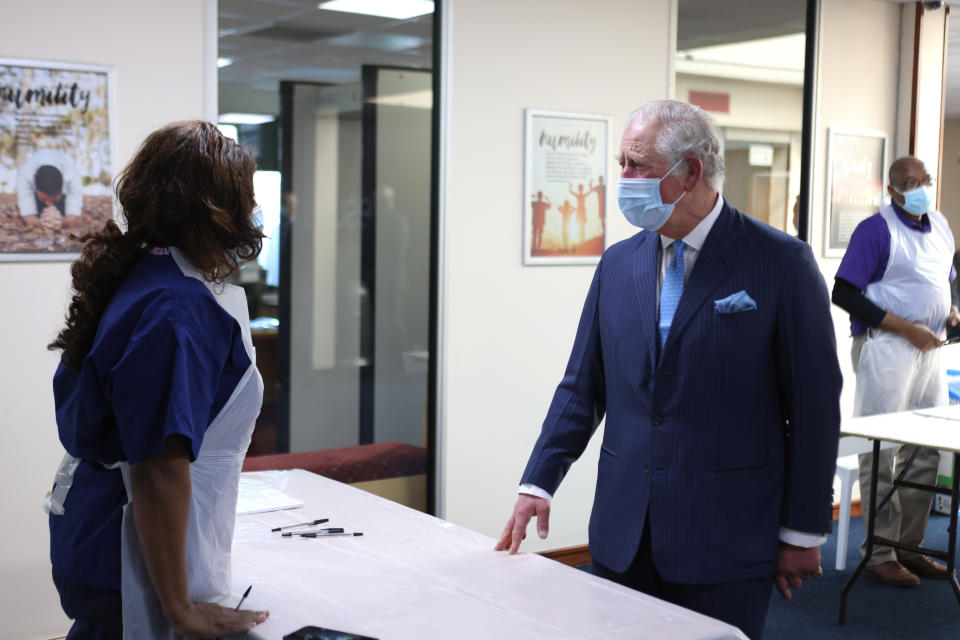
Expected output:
{"points": [[434, 295], [872, 539], [806, 147], [368, 251], [284, 277]]}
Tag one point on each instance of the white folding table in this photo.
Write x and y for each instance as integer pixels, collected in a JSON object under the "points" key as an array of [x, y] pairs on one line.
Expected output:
{"points": [[412, 576], [937, 428]]}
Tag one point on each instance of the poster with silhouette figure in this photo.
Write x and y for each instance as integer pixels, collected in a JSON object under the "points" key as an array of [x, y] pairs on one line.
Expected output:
{"points": [[56, 157], [567, 159]]}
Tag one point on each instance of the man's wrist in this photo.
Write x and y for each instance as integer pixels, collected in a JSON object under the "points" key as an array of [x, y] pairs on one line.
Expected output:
{"points": [[534, 490], [802, 539]]}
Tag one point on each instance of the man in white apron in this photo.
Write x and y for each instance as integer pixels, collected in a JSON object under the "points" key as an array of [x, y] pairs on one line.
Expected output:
{"points": [[894, 281]]}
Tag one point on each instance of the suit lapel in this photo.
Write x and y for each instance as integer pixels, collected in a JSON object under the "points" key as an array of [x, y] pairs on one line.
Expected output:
{"points": [[717, 257], [646, 273]]}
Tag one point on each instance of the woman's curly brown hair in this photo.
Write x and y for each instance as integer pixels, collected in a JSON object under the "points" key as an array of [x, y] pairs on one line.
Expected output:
{"points": [[189, 187]]}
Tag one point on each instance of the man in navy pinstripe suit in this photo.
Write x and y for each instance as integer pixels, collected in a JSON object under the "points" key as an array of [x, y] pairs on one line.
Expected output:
{"points": [[714, 361]]}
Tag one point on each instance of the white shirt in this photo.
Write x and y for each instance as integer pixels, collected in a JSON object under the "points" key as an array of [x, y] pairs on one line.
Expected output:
{"points": [[72, 185], [694, 243]]}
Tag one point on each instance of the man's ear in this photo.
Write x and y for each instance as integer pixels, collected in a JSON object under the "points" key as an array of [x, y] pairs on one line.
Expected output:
{"points": [[694, 172]]}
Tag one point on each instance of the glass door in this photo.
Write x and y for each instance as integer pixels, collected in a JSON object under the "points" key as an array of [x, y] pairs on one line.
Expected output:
{"points": [[355, 227]]}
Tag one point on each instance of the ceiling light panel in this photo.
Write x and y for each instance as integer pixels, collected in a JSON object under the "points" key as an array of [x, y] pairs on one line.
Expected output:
{"points": [[246, 118], [396, 9], [380, 41]]}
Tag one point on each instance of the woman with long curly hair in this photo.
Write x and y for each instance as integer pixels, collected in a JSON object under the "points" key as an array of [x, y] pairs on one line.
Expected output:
{"points": [[156, 396]]}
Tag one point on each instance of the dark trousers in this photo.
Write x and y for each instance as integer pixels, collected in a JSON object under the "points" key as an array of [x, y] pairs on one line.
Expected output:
{"points": [[95, 612], [743, 604]]}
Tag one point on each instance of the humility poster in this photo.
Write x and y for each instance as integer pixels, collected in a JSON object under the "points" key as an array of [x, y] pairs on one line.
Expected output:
{"points": [[565, 187], [56, 157]]}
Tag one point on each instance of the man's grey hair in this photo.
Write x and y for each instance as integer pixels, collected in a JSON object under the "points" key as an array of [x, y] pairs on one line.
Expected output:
{"points": [[684, 129]]}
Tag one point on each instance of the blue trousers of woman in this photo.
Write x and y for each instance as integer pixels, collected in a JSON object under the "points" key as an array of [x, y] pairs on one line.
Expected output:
{"points": [[95, 612]]}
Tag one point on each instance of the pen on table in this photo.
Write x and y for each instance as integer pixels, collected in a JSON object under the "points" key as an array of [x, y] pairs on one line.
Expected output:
{"points": [[244, 597], [325, 530], [321, 534], [302, 524]]}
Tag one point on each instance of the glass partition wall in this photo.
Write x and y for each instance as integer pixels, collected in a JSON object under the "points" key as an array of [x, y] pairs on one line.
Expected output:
{"points": [[746, 66], [339, 108]]}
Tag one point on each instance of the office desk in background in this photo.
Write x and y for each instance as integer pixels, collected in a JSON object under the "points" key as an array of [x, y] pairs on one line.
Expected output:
{"points": [[936, 428], [412, 577]]}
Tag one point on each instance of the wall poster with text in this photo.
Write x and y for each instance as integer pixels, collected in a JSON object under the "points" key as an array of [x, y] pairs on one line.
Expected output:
{"points": [[856, 168], [56, 157], [567, 159]]}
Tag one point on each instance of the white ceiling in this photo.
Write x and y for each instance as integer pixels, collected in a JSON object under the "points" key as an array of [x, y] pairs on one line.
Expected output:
{"points": [[702, 23], [273, 40]]}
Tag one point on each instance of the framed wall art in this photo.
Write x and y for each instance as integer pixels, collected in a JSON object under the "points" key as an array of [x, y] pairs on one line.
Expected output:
{"points": [[856, 180], [565, 187], [56, 156]]}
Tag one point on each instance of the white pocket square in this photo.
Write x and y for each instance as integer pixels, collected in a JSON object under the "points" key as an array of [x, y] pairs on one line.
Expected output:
{"points": [[734, 303]]}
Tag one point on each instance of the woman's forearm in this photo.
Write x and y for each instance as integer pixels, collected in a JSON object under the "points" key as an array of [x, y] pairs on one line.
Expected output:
{"points": [[161, 507]]}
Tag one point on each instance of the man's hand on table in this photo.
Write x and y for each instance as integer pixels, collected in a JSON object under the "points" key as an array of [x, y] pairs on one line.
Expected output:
{"points": [[794, 565], [525, 508]]}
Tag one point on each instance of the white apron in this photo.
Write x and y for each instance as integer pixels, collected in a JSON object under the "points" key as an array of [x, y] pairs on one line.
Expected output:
{"points": [[214, 475], [892, 374]]}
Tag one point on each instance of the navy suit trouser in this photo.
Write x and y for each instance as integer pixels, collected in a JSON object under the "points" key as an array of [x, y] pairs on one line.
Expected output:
{"points": [[743, 603]]}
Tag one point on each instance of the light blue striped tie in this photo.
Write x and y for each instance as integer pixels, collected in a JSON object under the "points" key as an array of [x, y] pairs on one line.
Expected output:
{"points": [[671, 291]]}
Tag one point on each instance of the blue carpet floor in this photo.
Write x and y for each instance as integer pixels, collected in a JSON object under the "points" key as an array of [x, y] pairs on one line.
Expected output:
{"points": [[929, 611], [875, 611]]}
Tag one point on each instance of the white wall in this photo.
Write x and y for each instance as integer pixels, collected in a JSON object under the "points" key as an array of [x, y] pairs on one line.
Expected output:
{"points": [[157, 50], [508, 329], [933, 27], [753, 105], [950, 177], [857, 89]]}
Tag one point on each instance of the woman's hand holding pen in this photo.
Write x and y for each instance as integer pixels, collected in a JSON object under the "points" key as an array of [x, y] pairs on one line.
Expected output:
{"points": [[208, 620]]}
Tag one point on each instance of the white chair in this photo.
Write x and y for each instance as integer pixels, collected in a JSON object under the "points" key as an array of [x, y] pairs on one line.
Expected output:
{"points": [[848, 470]]}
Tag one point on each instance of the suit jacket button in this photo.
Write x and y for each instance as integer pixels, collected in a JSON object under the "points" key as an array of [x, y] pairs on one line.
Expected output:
{"points": [[656, 419], [646, 469]]}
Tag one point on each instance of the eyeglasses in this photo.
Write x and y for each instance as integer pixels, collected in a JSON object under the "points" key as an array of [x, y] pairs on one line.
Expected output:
{"points": [[909, 185]]}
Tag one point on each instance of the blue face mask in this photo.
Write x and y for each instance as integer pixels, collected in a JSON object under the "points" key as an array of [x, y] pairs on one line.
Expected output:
{"points": [[640, 201], [916, 201]]}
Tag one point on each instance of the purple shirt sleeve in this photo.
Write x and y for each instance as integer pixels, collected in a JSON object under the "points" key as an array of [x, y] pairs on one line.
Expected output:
{"points": [[867, 254]]}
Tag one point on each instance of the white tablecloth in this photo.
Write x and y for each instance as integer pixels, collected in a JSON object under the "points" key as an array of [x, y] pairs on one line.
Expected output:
{"points": [[938, 428], [415, 577]]}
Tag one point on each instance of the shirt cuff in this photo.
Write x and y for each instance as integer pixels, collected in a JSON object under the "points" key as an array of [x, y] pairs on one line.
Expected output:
{"points": [[801, 539], [534, 490]]}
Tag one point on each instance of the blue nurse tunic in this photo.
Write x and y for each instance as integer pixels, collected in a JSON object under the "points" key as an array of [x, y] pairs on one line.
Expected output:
{"points": [[165, 360]]}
